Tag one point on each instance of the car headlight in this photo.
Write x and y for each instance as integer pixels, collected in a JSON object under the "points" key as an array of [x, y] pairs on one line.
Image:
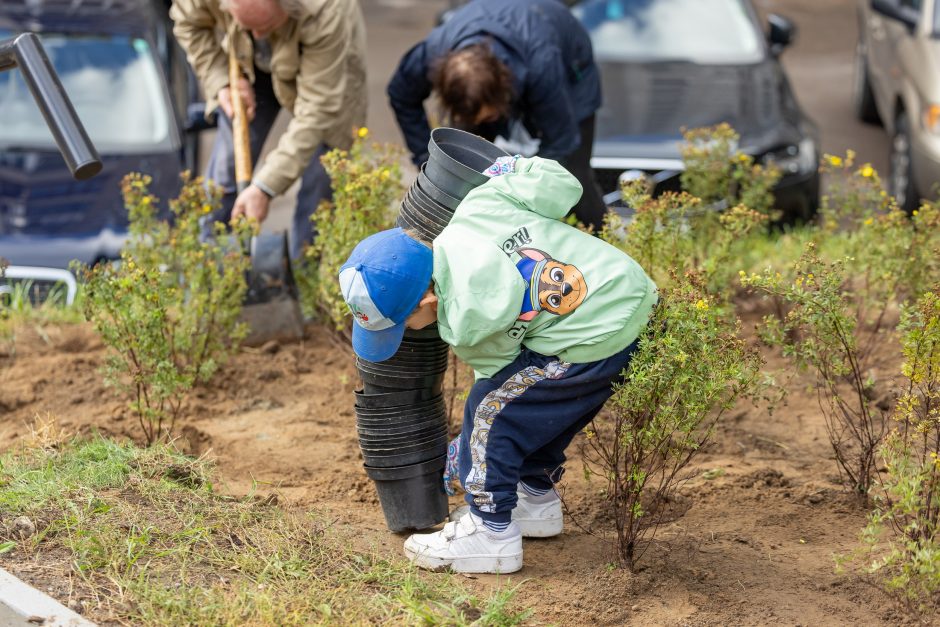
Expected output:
{"points": [[798, 158], [932, 118]]}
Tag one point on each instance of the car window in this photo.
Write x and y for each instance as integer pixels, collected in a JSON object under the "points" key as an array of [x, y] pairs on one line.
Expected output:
{"points": [[700, 31], [113, 82]]}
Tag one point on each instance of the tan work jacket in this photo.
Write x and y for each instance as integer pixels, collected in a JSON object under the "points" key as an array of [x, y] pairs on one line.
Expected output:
{"points": [[318, 72]]}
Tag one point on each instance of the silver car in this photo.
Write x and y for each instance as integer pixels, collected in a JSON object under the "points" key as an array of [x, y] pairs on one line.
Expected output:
{"points": [[897, 83]]}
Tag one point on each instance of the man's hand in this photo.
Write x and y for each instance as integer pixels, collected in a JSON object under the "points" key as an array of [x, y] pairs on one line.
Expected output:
{"points": [[248, 97], [251, 203]]}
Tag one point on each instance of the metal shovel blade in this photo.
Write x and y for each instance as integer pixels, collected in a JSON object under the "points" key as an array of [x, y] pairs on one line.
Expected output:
{"points": [[271, 308]]}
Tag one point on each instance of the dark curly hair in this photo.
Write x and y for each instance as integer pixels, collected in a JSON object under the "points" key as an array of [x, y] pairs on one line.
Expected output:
{"points": [[469, 79]]}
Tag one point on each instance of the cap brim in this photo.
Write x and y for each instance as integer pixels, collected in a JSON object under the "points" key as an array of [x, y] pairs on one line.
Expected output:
{"points": [[377, 345]]}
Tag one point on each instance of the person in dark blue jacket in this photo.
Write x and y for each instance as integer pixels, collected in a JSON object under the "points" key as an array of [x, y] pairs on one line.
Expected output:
{"points": [[497, 61]]}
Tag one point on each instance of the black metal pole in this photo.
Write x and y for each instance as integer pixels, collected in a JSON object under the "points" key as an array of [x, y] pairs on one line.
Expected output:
{"points": [[27, 53]]}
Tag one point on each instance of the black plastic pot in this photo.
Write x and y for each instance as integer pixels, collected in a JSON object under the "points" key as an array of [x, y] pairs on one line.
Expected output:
{"points": [[403, 459], [422, 346], [458, 159], [377, 442], [416, 369], [429, 447], [410, 223], [400, 381], [414, 429], [429, 332], [411, 358], [412, 497], [391, 399], [401, 421], [439, 195], [428, 205], [416, 216], [413, 210], [433, 402], [370, 388]]}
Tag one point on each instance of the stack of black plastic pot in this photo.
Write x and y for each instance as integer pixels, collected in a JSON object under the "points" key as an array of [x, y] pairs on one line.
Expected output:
{"points": [[400, 411]]}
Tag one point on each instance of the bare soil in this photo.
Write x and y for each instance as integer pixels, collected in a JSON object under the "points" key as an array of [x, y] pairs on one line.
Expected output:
{"points": [[755, 546]]}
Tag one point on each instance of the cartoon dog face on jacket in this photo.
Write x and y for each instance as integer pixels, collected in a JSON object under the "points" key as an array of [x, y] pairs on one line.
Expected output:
{"points": [[555, 287]]}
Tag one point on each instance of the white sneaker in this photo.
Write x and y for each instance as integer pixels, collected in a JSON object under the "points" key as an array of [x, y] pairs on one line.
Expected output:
{"points": [[535, 520], [538, 520], [467, 546]]}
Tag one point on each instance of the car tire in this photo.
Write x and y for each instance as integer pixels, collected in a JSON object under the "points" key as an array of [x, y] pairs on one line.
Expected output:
{"points": [[863, 96], [901, 183]]}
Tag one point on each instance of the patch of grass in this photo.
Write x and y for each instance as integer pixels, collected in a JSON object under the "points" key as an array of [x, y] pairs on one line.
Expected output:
{"points": [[142, 537], [17, 310]]}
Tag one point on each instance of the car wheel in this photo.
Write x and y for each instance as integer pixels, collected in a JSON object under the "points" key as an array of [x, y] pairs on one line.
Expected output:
{"points": [[901, 183], [864, 97]]}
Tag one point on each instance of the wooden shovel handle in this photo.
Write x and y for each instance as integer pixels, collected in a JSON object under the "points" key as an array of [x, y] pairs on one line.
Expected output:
{"points": [[240, 138]]}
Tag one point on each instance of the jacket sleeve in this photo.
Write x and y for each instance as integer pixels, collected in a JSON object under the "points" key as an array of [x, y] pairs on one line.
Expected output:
{"points": [[549, 106], [322, 80], [407, 91], [194, 27]]}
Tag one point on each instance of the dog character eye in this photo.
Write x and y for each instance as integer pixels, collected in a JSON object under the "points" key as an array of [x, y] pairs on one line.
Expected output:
{"points": [[554, 300], [557, 275]]}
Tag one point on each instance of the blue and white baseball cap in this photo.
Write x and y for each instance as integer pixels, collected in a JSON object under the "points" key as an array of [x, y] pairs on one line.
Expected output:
{"points": [[383, 281]]}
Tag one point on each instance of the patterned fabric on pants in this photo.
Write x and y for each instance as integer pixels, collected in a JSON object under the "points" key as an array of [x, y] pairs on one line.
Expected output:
{"points": [[315, 182], [518, 423]]}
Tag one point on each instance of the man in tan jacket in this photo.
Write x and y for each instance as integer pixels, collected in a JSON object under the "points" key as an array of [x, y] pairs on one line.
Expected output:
{"points": [[307, 56]]}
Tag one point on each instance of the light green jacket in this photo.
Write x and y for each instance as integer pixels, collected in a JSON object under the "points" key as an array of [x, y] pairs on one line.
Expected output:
{"points": [[318, 72], [593, 299]]}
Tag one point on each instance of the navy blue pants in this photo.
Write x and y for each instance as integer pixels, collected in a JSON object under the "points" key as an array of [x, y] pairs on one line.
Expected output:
{"points": [[315, 182], [518, 423]]}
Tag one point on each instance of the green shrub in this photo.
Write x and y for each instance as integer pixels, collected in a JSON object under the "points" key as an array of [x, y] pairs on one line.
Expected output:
{"points": [[824, 329], [169, 311], [674, 233], [718, 172], [366, 182], [895, 257], [689, 368], [903, 533]]}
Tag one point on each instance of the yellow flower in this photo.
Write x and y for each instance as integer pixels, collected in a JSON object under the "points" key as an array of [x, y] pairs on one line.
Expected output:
{"points": [[206, 208], [701, 305], [384, 175], [834, 161], [869, 221], [742, 273], [363, 132], [867, 171]]}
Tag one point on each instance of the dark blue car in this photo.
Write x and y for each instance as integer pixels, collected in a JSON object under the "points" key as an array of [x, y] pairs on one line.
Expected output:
{"points": [[134, 93]]}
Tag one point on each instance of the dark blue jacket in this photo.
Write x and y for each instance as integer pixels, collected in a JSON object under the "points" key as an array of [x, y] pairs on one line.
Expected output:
{"points": [[549, 53]]}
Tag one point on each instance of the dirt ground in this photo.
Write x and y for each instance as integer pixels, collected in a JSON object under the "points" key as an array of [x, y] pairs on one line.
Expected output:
{"points": [[754, 548]]}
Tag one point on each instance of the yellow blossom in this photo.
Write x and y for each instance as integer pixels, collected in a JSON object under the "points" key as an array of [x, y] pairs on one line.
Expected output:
{"points": [[384, 174], [834, 161], [869, 221], [701, 305], [363, 132], [867, 171]]}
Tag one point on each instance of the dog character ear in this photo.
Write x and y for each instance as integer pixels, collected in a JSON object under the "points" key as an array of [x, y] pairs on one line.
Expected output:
{"points": [[533, 254], [528, 316]]}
